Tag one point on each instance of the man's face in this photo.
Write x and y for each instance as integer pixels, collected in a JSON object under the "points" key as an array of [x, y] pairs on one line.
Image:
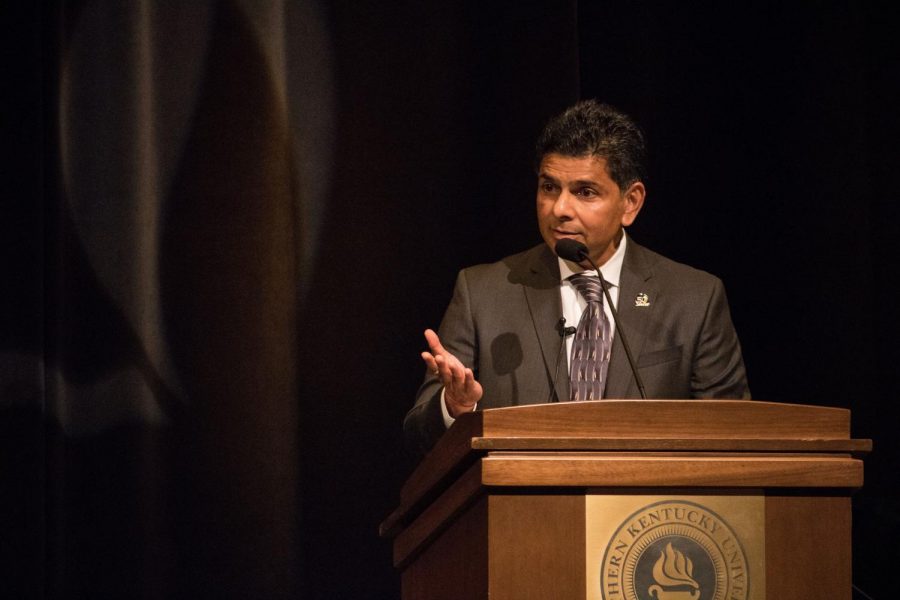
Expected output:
{"points": [[577, 199]]}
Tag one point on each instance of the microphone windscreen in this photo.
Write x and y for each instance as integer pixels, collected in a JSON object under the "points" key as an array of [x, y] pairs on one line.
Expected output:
{"points": [[573, 250]]}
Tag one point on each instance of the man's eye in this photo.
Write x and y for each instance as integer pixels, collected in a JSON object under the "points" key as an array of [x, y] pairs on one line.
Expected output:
{"points": [[585, 192], [547, 186]]}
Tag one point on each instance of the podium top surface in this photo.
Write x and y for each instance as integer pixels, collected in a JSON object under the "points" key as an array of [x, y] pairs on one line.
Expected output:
{"points": [[634, 425], [660, 419]]}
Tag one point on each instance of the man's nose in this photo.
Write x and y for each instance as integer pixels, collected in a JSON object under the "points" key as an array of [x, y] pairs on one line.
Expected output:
{"points": [[562, 208]]}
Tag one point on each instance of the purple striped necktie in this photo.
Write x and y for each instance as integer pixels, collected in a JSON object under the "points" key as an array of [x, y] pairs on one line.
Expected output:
{"points": [[592, 344]]}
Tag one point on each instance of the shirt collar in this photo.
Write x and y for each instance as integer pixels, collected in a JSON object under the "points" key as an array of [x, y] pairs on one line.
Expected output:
{"points": [[611, 269]]}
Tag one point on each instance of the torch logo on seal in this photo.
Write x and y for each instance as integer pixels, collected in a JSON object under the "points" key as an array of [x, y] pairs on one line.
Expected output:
{"points": [[674, 550]]}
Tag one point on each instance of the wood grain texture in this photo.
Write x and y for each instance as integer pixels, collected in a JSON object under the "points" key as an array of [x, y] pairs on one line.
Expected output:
{"points": [[446, 458], [808, 547], [599, 470], [666, 419], [455, 564], [437, 516], [636, 425], [537, 547], [648, 425], [855, 447], [494, 500]]}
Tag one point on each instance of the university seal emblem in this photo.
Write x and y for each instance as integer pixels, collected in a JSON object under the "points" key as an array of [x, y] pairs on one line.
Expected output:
{"points": [[674, 550]]}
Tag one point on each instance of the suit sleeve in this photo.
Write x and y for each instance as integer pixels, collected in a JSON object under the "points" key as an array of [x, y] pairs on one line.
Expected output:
{"points": [[718, 365], [424, 423]]}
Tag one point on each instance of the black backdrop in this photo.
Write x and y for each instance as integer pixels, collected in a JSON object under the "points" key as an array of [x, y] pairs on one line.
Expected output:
{"points": [[772, 137]]}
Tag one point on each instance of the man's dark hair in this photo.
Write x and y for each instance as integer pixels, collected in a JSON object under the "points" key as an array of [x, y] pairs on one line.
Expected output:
{"points": [[593, 129]]}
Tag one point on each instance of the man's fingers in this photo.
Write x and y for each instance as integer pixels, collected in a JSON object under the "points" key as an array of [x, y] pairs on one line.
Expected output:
{"points": [[450, 370], [464, 394], [434, 342], [472, 387], [458, 373], [460, 380], [460, 387], [441, 369], [430, 363]]}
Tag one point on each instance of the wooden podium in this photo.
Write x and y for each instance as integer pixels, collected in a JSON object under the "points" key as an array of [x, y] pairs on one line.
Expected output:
{"points": [[633, 500]]}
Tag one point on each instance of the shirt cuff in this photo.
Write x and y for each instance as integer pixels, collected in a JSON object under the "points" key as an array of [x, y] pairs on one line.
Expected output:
{"points": [[448, 420]]}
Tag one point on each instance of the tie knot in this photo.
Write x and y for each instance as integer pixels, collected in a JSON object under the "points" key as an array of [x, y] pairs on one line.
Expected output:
{"points": [[589, 287]]}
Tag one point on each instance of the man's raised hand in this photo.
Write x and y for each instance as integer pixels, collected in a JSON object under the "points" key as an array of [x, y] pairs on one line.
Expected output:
{"points": [[461, 391]]}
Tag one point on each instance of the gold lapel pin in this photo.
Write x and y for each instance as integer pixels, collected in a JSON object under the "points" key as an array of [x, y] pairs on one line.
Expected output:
{"points": [[642, 299]]}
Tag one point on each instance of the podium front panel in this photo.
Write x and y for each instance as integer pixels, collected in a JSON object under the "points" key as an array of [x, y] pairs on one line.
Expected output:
{"points": [[671, 546]]}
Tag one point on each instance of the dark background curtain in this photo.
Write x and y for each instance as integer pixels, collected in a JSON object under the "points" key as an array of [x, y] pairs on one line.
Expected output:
{"points": [[226, 224]]}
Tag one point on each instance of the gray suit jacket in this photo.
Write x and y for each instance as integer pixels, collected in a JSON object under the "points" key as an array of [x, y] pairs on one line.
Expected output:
{"points": [[503, 322]]}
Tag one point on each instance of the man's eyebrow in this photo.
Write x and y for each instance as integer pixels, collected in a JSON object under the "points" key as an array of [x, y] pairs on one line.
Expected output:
{"points": [[578, 182], [587, 182]]}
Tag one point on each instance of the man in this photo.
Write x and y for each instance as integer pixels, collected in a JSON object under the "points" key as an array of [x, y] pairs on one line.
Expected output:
{"points": [[506, 337]]}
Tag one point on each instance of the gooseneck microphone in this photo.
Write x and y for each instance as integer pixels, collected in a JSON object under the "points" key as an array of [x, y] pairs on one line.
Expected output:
{"points": [[575, 251], [564, 332]]}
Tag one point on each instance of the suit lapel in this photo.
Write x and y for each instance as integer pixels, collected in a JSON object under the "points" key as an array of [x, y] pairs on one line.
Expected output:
{"points": [[636, 280], [541, 286]]}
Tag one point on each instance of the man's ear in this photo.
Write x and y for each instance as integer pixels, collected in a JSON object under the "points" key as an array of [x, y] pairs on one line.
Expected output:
{"points": [[634, 201]]}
